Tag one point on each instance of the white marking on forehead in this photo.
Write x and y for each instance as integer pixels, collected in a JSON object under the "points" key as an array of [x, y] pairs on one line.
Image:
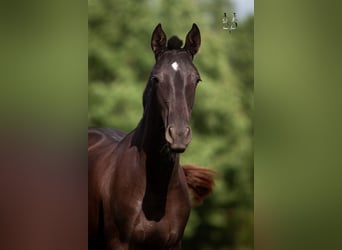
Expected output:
{"points": [[174, 66]]}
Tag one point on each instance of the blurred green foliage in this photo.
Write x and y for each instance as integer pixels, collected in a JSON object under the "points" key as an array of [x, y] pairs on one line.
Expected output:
{"points": [[120, 60]]}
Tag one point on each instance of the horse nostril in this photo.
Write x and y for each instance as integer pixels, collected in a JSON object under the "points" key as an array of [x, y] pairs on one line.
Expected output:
{"points": [[187, 131], [169, 134]]}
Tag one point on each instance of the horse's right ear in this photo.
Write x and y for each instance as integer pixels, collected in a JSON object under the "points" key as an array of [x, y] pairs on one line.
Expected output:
{"points": [[158, 42]]}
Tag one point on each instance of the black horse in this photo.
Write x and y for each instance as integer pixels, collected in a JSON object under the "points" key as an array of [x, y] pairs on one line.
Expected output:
{"points": [[138, 192]]}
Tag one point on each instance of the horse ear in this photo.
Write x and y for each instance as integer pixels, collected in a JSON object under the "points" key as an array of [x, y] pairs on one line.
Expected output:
{"points": [[193, 40], [158, 42]]}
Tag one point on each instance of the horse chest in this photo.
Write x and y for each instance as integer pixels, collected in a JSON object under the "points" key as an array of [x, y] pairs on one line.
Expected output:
{"points": [[160, 234], [149, 212]]}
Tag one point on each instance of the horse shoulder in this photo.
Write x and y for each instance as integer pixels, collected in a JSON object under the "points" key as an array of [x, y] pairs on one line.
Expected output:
{"points": [[102, 145]]}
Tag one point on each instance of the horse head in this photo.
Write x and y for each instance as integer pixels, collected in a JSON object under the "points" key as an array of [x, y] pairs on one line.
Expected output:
{"points": [[173, 80]]}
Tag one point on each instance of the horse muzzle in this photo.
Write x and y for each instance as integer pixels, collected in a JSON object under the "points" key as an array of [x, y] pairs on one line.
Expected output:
{"points": [[178, 137]]}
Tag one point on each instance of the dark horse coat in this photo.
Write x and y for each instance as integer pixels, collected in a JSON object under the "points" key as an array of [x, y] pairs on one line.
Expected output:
{"points": [[138, 193]]}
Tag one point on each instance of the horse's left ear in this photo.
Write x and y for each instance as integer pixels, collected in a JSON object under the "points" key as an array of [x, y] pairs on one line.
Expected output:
{"points": [[193, 40]]}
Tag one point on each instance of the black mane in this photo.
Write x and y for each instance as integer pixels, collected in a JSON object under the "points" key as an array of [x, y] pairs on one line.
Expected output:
{"points": [[174, 43]]}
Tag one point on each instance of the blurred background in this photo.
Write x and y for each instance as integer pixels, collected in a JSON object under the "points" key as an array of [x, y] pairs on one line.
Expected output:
{"points": [[120, 60], [297, 143]]}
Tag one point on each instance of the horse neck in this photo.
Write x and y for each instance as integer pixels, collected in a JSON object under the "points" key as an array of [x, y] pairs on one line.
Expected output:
{"points": [[160, 164]]}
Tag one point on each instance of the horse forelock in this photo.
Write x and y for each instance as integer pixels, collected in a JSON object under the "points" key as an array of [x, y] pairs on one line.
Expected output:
{"points": [[174, 43]]}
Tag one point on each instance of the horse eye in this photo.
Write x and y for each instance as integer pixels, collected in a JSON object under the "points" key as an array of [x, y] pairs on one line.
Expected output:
{"points": [[154, 79]]}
